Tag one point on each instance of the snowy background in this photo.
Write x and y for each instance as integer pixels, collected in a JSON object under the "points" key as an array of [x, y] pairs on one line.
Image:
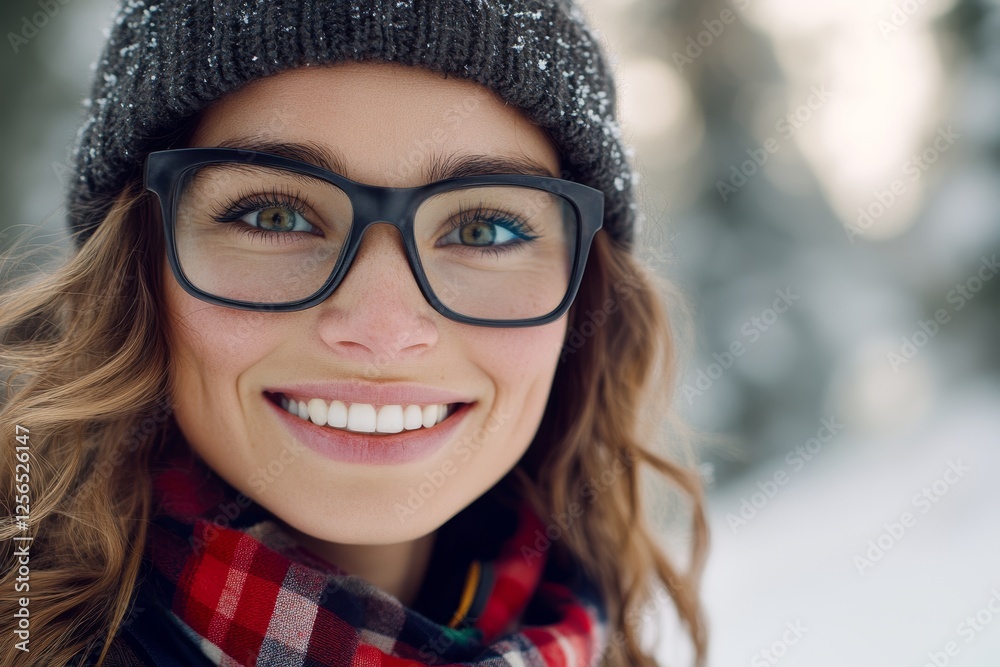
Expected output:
{"points": [[842, 153]]}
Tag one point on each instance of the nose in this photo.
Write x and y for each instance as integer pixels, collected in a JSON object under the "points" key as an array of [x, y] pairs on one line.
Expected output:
{"points": [[378, 314]]}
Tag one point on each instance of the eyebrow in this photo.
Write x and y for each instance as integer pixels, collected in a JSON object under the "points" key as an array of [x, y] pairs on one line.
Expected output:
{"points": [[438, 167]]}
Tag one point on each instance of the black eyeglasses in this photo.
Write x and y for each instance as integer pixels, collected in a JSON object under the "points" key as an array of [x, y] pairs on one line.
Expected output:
{"points": [[258, 231]]}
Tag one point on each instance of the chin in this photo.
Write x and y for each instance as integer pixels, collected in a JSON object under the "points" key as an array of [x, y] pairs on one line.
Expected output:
{"points": [[366, 521]]}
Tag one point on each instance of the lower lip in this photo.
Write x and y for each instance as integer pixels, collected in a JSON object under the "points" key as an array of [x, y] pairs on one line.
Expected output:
{"points": [[373, 449]]}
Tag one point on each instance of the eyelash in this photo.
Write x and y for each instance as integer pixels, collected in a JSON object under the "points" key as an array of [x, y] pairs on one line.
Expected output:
{"points": [[491, 215], [250, 202]]}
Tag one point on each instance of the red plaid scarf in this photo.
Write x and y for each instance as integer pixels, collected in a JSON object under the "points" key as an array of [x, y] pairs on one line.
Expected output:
{"points": [[247, 594]]}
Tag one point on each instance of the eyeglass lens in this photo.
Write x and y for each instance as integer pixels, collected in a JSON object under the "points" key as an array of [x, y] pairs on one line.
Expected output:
{"points": [[268, 235]]}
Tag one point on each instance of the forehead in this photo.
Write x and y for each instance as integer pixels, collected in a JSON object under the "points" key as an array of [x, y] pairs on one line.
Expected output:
{"points": [[378, 123]]}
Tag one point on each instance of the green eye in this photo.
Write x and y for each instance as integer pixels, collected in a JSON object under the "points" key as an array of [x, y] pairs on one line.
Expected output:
{"points": [[276, 219]]}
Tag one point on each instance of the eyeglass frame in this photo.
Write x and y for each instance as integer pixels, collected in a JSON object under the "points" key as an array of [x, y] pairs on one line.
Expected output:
{"points": [[164, 172]]}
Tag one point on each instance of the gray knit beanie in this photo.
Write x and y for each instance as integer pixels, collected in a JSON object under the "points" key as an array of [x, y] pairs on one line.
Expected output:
{"points": [[165, 60]]}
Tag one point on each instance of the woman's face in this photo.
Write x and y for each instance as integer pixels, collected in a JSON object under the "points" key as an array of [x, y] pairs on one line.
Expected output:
{"points": [[386, 124]]}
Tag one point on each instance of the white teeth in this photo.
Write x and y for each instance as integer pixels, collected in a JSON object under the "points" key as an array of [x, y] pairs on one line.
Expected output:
{"points": [[430, 414], [364, 417], [318, 411], [413, 417], [361, 417], [337, 416], [390, 419]]}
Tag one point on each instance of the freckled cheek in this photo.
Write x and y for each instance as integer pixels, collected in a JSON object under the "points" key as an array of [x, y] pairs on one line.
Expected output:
{"points": [[520, 364], [517, 359], [213, 346]]}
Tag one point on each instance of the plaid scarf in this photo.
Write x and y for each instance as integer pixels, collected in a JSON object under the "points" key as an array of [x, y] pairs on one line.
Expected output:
{"points": [[240, 587]]}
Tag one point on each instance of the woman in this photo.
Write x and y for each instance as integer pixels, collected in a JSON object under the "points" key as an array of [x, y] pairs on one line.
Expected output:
{"points": [[265, 428]]}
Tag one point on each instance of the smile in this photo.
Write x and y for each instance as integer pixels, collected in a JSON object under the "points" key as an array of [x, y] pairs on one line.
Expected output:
{"points": [[366, 417], [360, 440]]}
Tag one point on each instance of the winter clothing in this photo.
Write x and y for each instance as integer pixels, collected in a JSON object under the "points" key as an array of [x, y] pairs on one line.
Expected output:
{"points": [[167, 59], [235, 590], [224, 584]]}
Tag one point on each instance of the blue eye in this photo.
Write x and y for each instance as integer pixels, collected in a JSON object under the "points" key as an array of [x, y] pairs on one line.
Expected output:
{"points": [[481, 233]]}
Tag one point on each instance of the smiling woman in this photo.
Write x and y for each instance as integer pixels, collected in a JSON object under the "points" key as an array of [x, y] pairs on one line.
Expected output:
{"points": [[271, 429], [227, 399]]}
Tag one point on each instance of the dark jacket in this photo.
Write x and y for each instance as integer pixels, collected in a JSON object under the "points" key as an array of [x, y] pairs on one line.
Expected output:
{"points": [[150, 636]]}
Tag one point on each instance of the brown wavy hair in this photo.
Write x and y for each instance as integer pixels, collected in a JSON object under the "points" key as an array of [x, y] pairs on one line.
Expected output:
{"points": [[87, 363]]}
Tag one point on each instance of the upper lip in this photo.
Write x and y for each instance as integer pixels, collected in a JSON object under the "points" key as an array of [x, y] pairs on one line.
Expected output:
{"points": [[376, 393]]}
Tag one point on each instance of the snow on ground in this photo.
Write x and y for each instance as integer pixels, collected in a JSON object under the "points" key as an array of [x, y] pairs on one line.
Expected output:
{"points": [[802, 582]]}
